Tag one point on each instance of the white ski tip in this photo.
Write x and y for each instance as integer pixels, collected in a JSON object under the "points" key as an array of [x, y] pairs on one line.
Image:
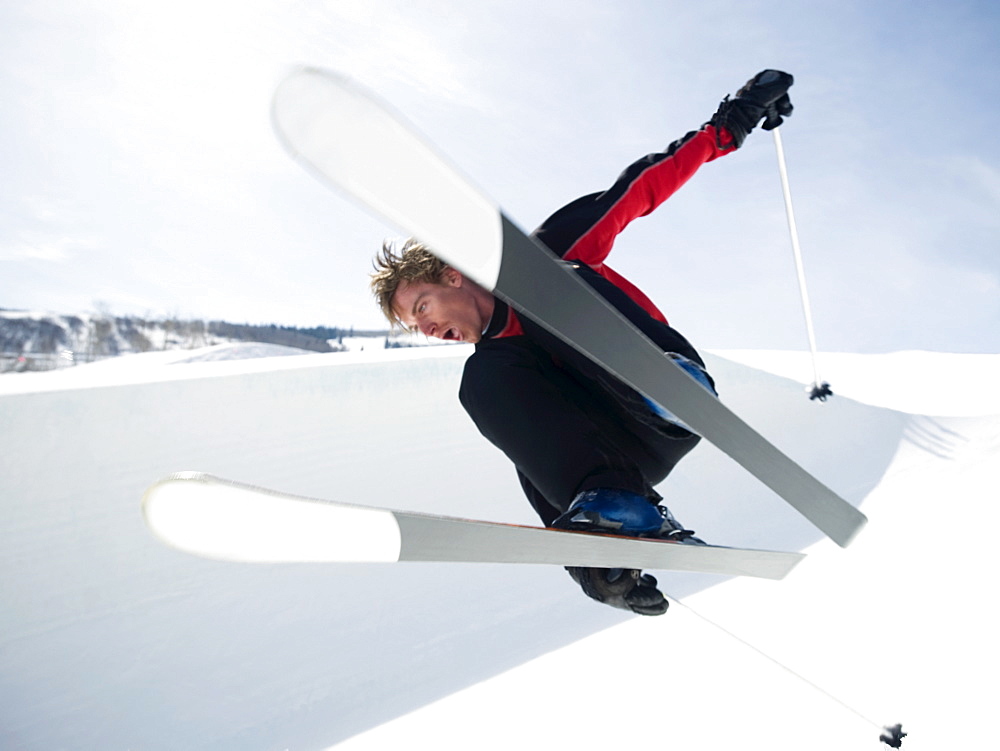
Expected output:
{"points": [[214, 518], [349, 138]]}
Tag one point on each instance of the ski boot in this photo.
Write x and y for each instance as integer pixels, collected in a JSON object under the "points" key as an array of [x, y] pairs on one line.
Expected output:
{"points": [[620, 512], [611, 511], [765, 96]]}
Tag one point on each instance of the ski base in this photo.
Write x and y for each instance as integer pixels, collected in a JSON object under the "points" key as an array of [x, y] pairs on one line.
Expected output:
{"points": [[225, 520]]}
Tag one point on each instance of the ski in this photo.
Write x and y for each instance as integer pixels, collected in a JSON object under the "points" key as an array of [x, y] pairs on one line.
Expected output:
{"points": [[230, 521], [351, 141]]}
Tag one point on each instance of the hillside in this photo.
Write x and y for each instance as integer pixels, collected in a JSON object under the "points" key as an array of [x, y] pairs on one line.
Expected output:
{"points": [[45, 341]]}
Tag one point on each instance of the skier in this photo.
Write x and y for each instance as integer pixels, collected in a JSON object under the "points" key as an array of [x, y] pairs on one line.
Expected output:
{"points": [[588, 449]]}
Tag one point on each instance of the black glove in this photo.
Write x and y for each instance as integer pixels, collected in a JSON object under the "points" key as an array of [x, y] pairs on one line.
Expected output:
{"points": [[763, 97], [624, 588]]}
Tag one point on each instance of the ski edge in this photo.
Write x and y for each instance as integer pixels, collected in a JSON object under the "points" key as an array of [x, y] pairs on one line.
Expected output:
{"points": [[299, 529]]}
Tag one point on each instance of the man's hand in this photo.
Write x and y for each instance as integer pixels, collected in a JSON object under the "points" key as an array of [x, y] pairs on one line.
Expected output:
{"points": [[763, 97], [627, 589]]}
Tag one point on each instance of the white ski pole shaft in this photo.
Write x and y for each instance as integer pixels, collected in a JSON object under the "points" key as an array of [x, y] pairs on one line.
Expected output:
{"points": [[796, 250]]}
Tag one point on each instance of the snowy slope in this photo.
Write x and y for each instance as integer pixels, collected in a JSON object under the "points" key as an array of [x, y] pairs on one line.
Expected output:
{"points": [[107, 639], [898, 628]]}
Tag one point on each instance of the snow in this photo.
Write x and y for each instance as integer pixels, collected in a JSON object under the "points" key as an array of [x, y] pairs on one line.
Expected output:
{"points": [[930, 383], [215, 360], [108, 639]]}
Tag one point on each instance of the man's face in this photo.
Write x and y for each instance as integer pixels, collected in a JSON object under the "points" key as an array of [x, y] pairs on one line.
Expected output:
{"points": [[446, 310]]}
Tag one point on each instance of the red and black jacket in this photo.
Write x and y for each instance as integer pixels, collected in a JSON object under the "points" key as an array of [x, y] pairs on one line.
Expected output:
{"points": [[585, 230]]}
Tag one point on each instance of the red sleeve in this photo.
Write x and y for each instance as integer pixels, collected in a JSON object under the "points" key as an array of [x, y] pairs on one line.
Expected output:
{"points": [[641, 188]]}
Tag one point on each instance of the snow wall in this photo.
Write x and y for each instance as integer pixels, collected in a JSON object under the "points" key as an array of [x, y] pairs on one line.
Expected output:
{"points": [[110, 640]]}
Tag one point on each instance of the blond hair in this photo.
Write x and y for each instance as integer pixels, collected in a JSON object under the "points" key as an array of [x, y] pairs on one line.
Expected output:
{"points": [[413, 263]]}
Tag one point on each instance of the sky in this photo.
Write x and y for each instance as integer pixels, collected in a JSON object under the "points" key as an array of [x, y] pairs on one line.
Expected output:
{"points": [[141, 174]]}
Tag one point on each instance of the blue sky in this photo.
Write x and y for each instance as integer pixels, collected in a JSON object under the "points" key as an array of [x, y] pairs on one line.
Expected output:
{"points": [[140, 170]]}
